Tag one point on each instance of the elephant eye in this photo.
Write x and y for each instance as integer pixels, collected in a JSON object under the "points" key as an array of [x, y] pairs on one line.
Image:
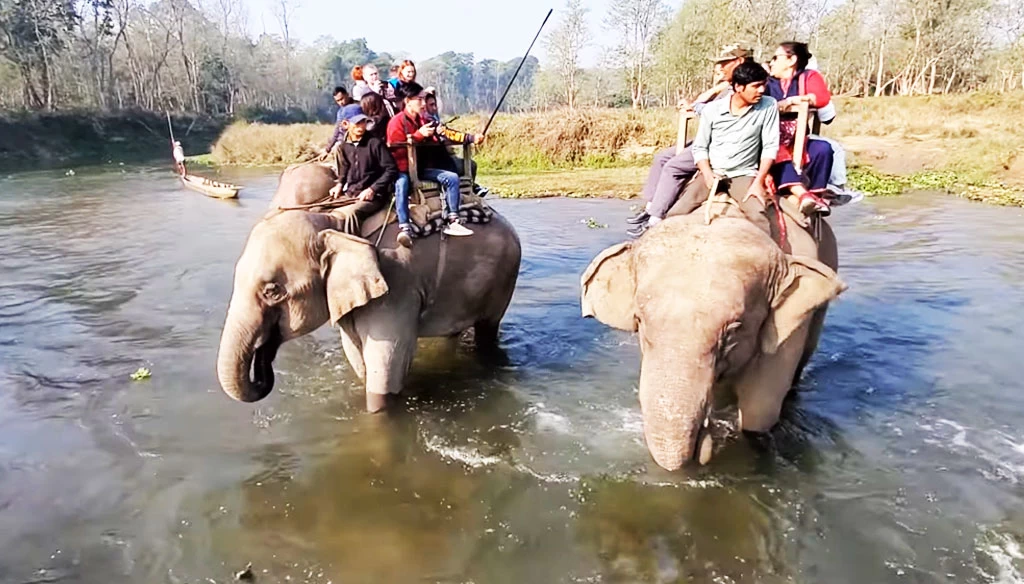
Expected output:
{"points": [[273, 292]]}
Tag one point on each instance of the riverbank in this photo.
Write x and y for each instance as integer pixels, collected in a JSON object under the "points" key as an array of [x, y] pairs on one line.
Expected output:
{"points": [[35, 140], [969, 145]]}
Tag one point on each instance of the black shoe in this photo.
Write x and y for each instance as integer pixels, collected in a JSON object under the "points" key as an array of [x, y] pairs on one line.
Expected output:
{"points": [[638, 230], [639, 218]]}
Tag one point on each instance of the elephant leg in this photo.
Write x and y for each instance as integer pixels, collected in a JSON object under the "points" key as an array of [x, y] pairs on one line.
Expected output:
{"points": [[813, 336], [763, 386], [388, 336], [353, 347], [485, 334]]}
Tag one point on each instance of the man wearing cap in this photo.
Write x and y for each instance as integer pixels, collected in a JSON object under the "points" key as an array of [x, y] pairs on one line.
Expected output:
{"points": [[366, 169], [434, 163], [343, 100], [670, 172]]}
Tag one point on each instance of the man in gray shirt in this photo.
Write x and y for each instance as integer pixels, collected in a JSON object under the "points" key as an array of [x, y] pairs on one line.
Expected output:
{"points": [[670, 171], [737, 142]]}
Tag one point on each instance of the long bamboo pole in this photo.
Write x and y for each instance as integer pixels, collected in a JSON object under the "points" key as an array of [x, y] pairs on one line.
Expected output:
{"points": [[516, 74]]}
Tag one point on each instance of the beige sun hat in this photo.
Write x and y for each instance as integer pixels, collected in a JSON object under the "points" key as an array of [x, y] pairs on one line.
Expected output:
{"points": [[730, 53]]}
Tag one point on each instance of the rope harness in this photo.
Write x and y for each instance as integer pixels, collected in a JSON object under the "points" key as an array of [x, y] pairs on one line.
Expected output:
{"points": [[770, 202]]}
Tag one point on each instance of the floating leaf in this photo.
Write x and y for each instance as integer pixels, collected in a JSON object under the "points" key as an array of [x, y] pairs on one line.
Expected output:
{"points": [[141, 373]]}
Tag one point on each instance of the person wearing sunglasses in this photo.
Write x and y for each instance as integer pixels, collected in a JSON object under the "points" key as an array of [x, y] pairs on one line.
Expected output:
{"points": [[791, 83]]}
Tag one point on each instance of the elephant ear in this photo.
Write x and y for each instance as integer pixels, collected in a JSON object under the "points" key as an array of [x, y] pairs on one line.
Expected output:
{"points": [[350, 270], [608, 285], [808, 285]]}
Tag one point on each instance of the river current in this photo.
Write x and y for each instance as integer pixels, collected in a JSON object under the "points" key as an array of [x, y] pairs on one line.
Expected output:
{"points": [[901, 459]]}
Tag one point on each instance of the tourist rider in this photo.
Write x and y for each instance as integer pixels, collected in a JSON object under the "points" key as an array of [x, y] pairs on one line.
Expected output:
{"points": [[373, 106], [737, 142], [670, 171], [434, 164], [405, 75], [360, 86], [366, 169], [449, 136], [342, 99], [372, 77], [792, 83]]}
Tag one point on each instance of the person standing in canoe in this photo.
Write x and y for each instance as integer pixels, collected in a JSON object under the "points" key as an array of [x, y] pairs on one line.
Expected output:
{"points": [[179, 158]]}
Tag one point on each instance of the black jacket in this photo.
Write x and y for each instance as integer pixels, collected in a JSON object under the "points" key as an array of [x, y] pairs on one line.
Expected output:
{"points": [[366, 164]]}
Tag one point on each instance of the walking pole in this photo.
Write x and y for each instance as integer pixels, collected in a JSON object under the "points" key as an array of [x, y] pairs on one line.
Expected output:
{"points": [[516, 74]]}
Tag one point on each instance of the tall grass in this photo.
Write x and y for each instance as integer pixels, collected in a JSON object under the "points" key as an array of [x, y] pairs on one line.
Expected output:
{"points": [[269, 144], [592, 138]]}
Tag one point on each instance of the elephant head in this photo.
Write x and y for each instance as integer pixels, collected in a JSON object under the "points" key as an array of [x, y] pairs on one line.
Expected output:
{"points": [[711, 304], [294, 274]]}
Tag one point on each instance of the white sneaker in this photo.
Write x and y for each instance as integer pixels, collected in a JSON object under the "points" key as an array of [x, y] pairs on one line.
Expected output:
{"points": [[404, 239], [457, 229]]}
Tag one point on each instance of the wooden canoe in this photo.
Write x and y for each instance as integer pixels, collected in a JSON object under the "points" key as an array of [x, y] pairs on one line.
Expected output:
{"points": [[210, 188]]}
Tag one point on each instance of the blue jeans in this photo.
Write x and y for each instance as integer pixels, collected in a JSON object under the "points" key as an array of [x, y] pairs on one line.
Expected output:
{"points": [[402, 198], [449, 182]]}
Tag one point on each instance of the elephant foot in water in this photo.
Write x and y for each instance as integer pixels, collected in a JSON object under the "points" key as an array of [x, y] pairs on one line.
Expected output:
{"points": [[485, 334], [705, 446], [485, 337], [376, 402]]}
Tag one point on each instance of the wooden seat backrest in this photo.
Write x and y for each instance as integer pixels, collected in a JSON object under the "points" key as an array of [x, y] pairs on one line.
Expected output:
{"points": [[685, 117], [806, 119], [419, 196]]}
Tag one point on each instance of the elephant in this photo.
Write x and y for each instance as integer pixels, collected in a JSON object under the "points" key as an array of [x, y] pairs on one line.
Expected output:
{"points": [[298, 271], [720, 309]]}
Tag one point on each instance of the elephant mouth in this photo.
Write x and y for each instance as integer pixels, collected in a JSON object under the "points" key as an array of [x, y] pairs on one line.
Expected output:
{"points": [[263, 362]]}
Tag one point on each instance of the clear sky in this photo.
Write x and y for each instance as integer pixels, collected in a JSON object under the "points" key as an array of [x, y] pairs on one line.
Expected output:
{"points": [[498, 29]]}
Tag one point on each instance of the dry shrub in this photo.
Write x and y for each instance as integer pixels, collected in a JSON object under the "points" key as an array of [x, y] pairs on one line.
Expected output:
{"points": [[269, 144], [566, 139]]}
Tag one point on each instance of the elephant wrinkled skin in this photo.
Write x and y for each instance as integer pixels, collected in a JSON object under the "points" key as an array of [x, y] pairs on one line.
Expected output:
{"points": [[298, 271], [716, 306]]}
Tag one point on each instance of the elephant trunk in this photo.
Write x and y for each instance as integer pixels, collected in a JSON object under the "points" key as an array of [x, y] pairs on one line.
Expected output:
{"points": [[239, 353], [675, 395]]}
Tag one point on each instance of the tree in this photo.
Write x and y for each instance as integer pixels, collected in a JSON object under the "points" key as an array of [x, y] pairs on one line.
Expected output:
{"points": [[451, 74], [635, 22], [564, 45], [33, 34]]}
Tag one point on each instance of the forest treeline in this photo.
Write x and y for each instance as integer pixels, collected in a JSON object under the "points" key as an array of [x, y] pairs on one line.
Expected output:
{"points": [[198, 56]]}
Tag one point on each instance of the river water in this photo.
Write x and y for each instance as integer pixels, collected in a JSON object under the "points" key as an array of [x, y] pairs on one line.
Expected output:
{"points": [[902, 459]]}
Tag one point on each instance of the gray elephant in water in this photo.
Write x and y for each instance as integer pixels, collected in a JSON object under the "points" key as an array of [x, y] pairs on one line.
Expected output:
{"points": [[298, 271], [717, 307]]}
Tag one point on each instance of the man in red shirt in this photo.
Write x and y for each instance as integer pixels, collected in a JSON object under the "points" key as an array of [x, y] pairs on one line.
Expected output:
{"points": [[434, 163]]}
